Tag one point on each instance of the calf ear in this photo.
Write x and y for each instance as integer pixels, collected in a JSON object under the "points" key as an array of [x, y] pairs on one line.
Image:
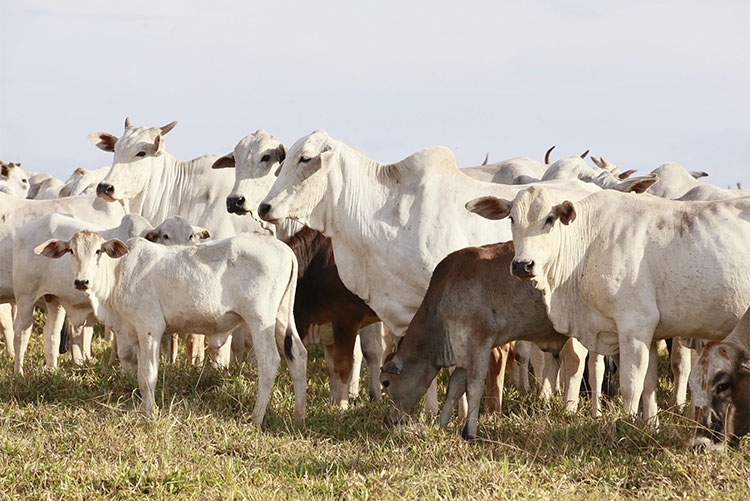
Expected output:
{"points": [[201, 233], [114, 248], [224, 162], [52, 248], [490, 207], [394, 366], [152, 236], [565, 212], [103, 140]]}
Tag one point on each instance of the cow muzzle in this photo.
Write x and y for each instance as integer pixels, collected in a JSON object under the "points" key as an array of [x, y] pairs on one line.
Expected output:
{"points": [[523, 269], [81, 285], [236, 205], [105, 191]]}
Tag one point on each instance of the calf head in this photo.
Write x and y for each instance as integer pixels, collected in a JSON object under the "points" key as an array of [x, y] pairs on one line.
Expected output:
{"points": [[86, 250], [13, 180], [256, 159], [534, 217], [305, 177], [176, 230], [135, 156], [406, 380], [720, 389]]}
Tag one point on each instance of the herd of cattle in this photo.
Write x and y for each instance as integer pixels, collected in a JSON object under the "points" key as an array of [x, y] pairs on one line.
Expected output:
{"points": [[240, 249]]}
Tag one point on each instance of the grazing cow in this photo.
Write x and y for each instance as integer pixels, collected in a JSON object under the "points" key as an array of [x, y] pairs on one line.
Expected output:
{"points": [[14, 212], [322, 298], [619, 271], [36, 278], [720, 389], [13, 180], [156, 185], [147, 289], [390, 224], [472, 305]]}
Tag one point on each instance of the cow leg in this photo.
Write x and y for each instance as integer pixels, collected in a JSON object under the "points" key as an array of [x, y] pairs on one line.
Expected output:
{"points": [[6, 325], [475, 375], [344, 340], [220, 350], [75, 334], [297, 365], [634, 360], [22, 326], [520, 373], [680, 361], [572, 358], [549, 368], [430, 404], [149, 342], [650, 384], [356, 372], [195, 348], [456, 389], [109, 333], [125, 344], [596, 379], [51, 331], [373, 342], [87, 339], [495, 378]]}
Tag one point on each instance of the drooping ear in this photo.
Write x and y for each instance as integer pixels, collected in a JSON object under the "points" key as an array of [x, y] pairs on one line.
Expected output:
{"points": [[490, 207], [697, 174], [393, 366], [224, 162], [200, 233], [103, 140], [52, 248], [114, 248], [168, 127], [637, 184], [565, 212]]}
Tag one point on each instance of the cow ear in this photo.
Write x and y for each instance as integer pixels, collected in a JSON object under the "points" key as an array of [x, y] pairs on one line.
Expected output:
{"points": [[52, 248], [103, 140], [282, 152], [745, 367], [152, 236], [158, 146], [201, 233], [565, 212], [490, 207], [637, 184], [114, 248], [394, 366], [224, 162], [698, 174]]}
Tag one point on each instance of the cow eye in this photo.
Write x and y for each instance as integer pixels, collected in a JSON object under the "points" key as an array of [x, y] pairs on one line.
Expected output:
{"points": [[549, 220], [304, 160], [71, 251], [265, 158], [511, 219], [98, 251], [722, 387], [190, 237], [166, 237], [141, 154]]}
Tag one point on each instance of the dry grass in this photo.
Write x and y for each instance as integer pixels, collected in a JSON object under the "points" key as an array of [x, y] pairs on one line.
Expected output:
{"points": [[76, 433]]}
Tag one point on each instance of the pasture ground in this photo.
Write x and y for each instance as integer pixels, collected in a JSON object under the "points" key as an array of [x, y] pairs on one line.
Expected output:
{"points": [[76, 433]]}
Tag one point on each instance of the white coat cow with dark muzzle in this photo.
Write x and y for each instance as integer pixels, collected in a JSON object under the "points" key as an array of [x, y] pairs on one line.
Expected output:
{"points": [[147, 289], [619, 272]]}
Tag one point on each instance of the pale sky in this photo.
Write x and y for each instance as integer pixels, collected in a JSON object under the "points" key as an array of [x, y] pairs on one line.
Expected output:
{"points": [[638, 82]]}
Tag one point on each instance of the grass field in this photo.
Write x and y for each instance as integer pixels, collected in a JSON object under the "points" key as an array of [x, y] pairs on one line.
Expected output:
{"points": [[76, 433]]}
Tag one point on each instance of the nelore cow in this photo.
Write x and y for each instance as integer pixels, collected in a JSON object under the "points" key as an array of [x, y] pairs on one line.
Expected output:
{"points": [[619, 272], [147, 289], [13, 180], [390, 224], [472, 305], [720, 389]]}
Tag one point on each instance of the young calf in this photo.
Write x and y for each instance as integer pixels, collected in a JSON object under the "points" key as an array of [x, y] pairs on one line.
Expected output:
{"points": [[720, 387], [472, 305], [146, 289]]}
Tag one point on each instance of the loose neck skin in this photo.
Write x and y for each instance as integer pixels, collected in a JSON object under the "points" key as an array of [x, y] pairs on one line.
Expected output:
{"points": [[102, 289]]}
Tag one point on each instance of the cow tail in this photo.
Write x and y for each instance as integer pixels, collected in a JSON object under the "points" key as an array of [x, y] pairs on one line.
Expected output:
{"points": [[285, 318]]}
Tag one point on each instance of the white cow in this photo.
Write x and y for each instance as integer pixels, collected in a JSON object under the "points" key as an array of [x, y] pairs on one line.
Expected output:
{"points": [[154, 184], [14, 212], [13, 180], [83, 181], [675, 180], [44, 186], [390, 224], [712, 192], [619, 271], [576, 167], [147, 290], [520, 170]]}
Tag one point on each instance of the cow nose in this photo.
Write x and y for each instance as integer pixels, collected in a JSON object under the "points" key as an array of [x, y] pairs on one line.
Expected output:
{"points": [[264, 209], [81, 284], [522, 269], [235, 205], [105, 189]]}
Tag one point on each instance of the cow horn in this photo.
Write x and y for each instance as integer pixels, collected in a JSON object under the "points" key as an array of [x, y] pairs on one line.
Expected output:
{"points": [[546, 155], [583, 155], [127, 122], [168, 127], [486, 158]]}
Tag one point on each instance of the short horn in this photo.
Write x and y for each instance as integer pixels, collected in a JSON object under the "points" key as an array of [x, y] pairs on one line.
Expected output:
{"points": [[127, 122], [168, 127], [546, 155], [583, 155]]}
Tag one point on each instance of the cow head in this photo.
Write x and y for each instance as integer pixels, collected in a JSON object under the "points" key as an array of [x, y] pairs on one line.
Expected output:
{"points": [[406, 380], [86, 249], [256, 160], [136, 154], [535, 218], [13, 180], [176, 230], [604, 177], [305, 177], [720, 390]]}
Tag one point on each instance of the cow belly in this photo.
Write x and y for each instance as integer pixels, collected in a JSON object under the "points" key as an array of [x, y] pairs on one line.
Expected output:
{"points": [[203, 322]]}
